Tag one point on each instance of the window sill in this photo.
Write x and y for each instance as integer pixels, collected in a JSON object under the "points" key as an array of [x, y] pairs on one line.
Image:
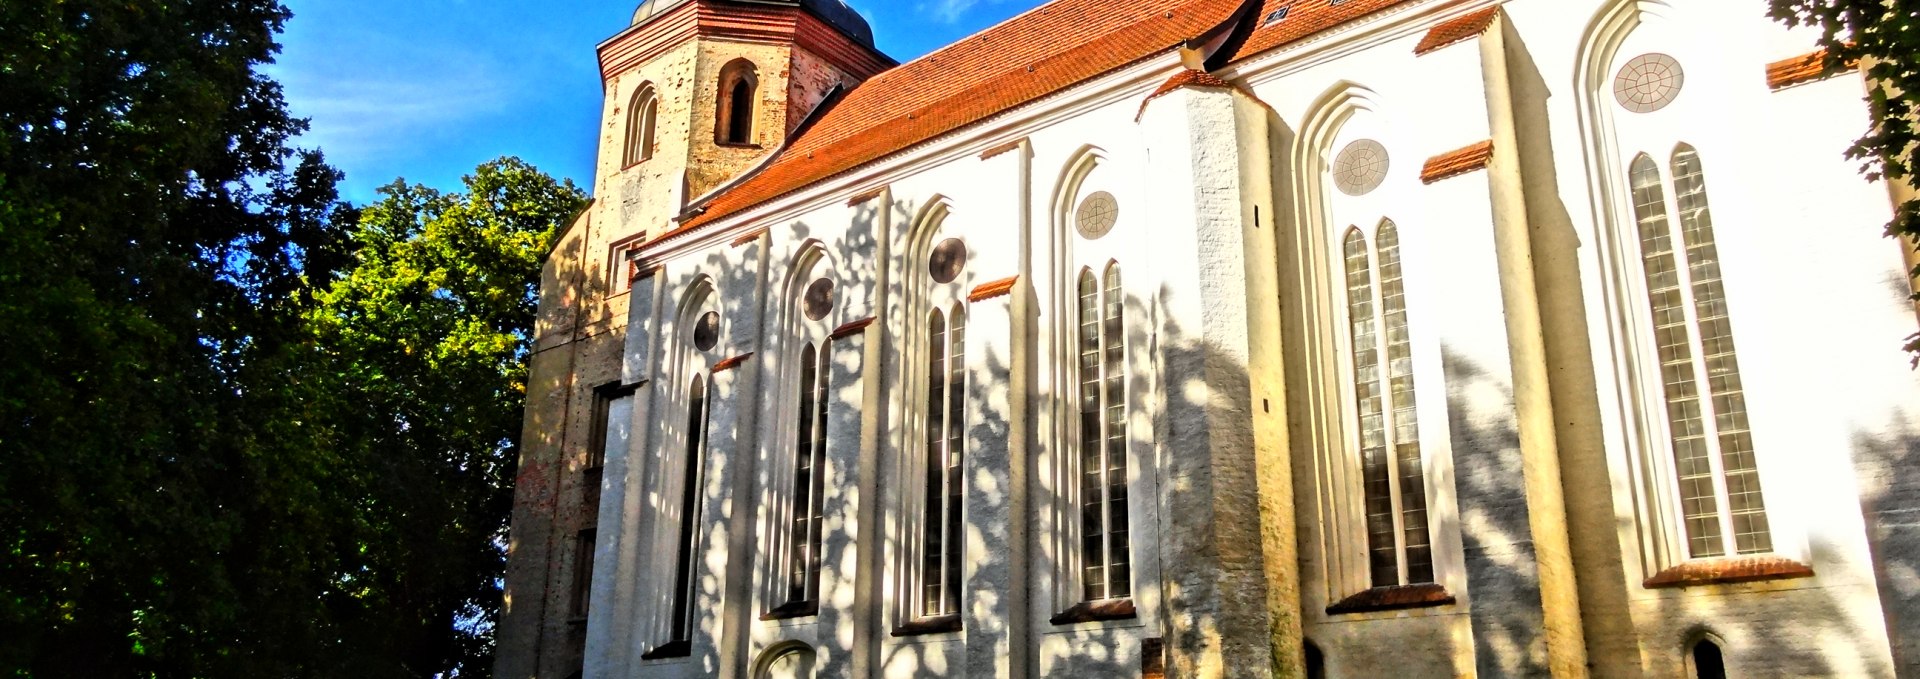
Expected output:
{"points": [[634, 164], [791, 610], [672, 649], [933, 625], [1393, 599], [738, 145], [1729, 571], [1096, 611]]}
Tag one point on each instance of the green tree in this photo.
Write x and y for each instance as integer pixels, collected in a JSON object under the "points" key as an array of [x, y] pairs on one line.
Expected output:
{"points": [[247, 431], [159, 517], [1884, 36], [427, 333]]}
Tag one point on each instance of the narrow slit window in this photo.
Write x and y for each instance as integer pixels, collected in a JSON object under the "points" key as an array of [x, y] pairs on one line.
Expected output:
{"points": [[683, 581], [1715, 471], [594, 472], [803, 546], [941, 551], [583, 546], [1393, 481], [1105, 554]]}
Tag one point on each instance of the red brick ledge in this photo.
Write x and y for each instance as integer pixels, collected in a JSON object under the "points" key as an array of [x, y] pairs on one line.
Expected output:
{"points": [[750, 237], [1393, 598], [1457, 162], [1457, 31], [731, 363], [999, 288], [850, 329], [636, 273], [1800, 70], [1729, 571]]}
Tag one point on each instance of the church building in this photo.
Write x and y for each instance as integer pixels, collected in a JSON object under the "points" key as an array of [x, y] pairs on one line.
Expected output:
{"points": [[1363, 339]]}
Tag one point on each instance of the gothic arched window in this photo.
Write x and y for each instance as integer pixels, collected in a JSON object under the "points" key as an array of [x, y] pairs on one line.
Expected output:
{"points": [[809, 455], [1105, 553], [739, 84], [683, 581], [945, 415], [1715, 474], [643, 119], [1393, 475]]}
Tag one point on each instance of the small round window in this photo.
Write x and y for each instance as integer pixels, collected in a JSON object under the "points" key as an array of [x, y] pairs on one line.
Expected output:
{"points": [[818, 301], [1097, 215], [1360, 167], [706, 331], [948, 259], [1648, 82]]}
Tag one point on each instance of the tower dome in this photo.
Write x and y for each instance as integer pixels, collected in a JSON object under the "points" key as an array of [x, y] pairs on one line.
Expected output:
{"points": [[835, 12], [649, 8]]}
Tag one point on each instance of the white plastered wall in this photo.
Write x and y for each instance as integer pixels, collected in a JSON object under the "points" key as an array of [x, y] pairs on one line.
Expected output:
{"points": [[1814, 298], [1371, 85]]}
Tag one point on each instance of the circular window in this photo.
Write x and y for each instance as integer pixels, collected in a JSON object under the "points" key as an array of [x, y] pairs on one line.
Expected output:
{"points": [[818, 301], [1097, 215], [706, 331], [1648, 82], [948, 258], [1360, 167]]}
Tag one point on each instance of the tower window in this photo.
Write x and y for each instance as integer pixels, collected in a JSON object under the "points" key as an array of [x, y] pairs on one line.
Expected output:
{"points": [[642, 121], [739, 84]]}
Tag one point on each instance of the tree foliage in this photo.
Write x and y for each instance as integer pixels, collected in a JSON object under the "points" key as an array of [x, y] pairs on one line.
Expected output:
{"points": [[247, 430], [428, 334], [1883, 36]]}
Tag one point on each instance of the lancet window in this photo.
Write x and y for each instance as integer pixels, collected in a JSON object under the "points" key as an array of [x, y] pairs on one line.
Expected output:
{"points": [[1387, 430], [809, 456], [643, 121], [1105, 551], [941, 550], [1716, 478]]}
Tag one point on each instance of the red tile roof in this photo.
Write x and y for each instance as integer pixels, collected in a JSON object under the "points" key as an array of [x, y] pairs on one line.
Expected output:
{"points": [[1032, 55], [731, 363], [850, 329], [1303, 19], [1458, 162], [1458, 30], [988, 291], [1799, 70], [1190, 78], [1042, 51]]}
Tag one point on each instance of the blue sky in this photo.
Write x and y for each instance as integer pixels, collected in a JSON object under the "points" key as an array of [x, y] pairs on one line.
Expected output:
{"points": [[427, 89]]}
